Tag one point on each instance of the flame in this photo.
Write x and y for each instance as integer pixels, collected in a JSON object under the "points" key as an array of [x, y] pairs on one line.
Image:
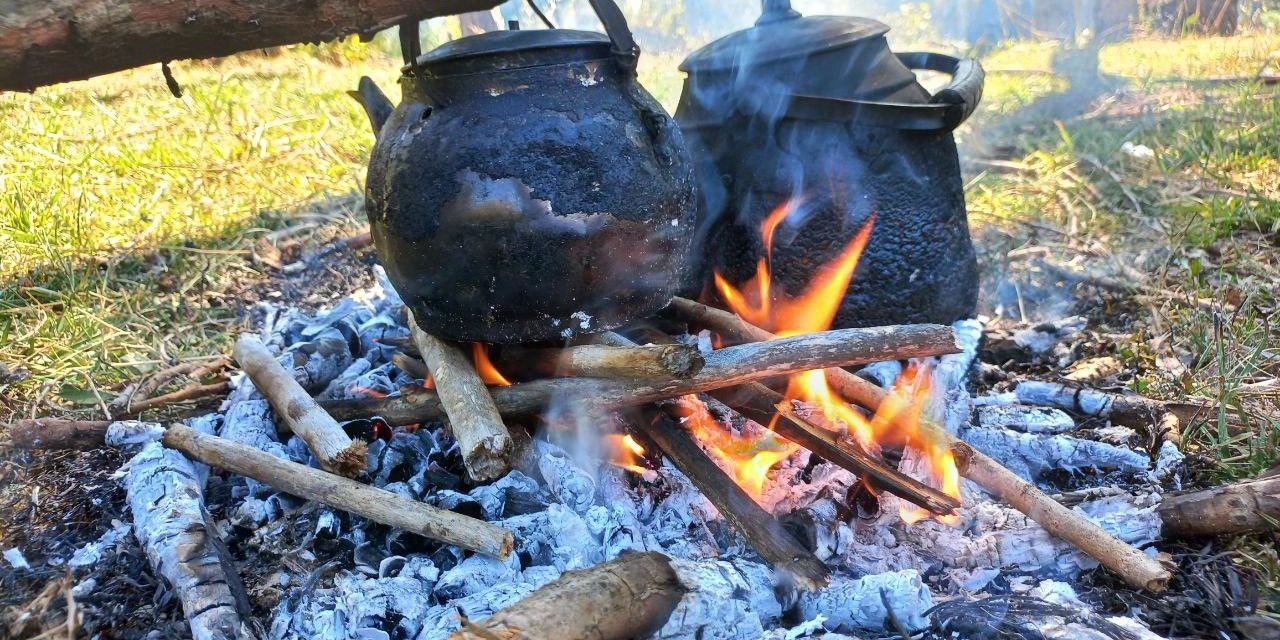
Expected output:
{"points": [[625, 453], [488, 373], [749, 459], [897, 421]]}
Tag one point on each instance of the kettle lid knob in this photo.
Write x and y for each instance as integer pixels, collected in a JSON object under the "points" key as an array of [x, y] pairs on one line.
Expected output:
{"points": [[776, 10]]}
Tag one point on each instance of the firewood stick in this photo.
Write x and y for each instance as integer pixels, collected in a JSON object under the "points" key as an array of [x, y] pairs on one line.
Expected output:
{"points": [[186, 394], [629, 597], [1242, 507], [335, 450], [726, 367], [473, 418], [1130, 563], [55, 433], [410, 365], [143, 390], [342, 493], [762, 531], [1130, 410], [608, 361]]}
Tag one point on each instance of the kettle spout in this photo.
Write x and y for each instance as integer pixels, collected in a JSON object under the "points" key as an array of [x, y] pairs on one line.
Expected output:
{"points": [[376, 103]]}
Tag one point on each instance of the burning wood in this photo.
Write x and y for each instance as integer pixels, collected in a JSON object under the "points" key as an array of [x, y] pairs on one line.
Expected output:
{"points": [[1131, 564], [331, 446], [726, 367], [765, 534], [375, 504], [473, 418], [609, 361]]}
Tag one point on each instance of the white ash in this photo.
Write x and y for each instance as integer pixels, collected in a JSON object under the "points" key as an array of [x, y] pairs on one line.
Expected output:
{"points": [[1050, 394], [475, 574], [557, 537], [882, 373], [570, 484], [15, 558], [951, 403], [91, 553], [126, 433], [515, 487], [721, 603], [1025, 419], [1029, 455], [1043, 338], [866, 603]]}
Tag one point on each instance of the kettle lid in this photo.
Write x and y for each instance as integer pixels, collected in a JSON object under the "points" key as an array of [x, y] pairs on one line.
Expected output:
{"points": [[519, 48], [782, 33]]}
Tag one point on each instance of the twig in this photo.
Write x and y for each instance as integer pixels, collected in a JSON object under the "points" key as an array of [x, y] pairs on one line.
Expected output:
{"points": [[332, 447], [474, 420]]}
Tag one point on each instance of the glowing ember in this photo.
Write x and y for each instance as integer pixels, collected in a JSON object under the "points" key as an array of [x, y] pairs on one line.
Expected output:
{"points": [[897, 421], [372, 393], [488, 373]]}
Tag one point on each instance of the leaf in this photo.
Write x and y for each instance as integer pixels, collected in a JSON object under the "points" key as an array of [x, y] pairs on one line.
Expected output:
{"points": [[77, 395]]}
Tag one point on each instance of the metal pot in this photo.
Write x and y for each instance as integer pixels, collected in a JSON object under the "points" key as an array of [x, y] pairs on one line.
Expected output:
{"points": [[527, 187], [820, 110]]}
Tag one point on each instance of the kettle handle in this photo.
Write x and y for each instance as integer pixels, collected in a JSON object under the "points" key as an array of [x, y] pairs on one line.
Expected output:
{"points": [[944, 112], [624, 46]]}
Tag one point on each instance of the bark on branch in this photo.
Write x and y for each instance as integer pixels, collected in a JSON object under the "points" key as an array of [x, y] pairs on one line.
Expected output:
{"points": [[726, 367], [43, 43]]}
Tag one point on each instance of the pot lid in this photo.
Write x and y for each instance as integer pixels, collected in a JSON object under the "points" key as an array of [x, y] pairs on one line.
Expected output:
{"points": [[517, 48], [782, 33]]}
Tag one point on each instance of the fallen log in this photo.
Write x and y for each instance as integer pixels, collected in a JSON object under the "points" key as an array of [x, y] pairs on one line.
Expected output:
{"points": [[1243, 507], [630, 597], [764, 533], [726, 367], [332, 447], [1128, 562], [166, 495], [342, 493], [43, 43], [473, 419]]}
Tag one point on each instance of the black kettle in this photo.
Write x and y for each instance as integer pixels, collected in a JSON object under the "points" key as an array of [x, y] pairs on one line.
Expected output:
{"points": [[527, 188], [819, 112]]}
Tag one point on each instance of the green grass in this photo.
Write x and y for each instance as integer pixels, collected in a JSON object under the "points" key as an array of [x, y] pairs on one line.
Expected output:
{"points": [[126, 214]]}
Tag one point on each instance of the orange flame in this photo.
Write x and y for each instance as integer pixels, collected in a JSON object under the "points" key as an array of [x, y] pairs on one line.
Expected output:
{"points": [[370, 392], [625, 453], [488, 373], [749, 458], [896, 423]]}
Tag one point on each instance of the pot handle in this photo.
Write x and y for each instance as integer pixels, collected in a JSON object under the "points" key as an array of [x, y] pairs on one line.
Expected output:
{"points": [[944, 112], [624, 44]]}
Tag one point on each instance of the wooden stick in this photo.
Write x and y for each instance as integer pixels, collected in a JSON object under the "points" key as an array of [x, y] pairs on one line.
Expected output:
{"points": [[1242, 507], [763, 532], [55, 41], [187, 394], [473, 418], [1129, 410], [342, 493], [55, 433], [120, 405], [629, 597], [726, 367], [336, 451], [410, 365], [1130, 563], [608, 361]]}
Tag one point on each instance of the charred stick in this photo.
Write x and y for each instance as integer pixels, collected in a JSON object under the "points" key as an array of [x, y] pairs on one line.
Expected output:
{"points": [[473, 418], [54, 433], [726, 367], [342, 493], [335, 450], [630, 597], [842, 452], [609, 361], [1129, 562], [1134, 411], [410, 365], [762, 531], [1234, 508]]}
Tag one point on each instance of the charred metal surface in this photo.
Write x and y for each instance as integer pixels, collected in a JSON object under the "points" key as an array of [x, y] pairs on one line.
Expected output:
{"points": [[819, 111], [531, 204]]}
